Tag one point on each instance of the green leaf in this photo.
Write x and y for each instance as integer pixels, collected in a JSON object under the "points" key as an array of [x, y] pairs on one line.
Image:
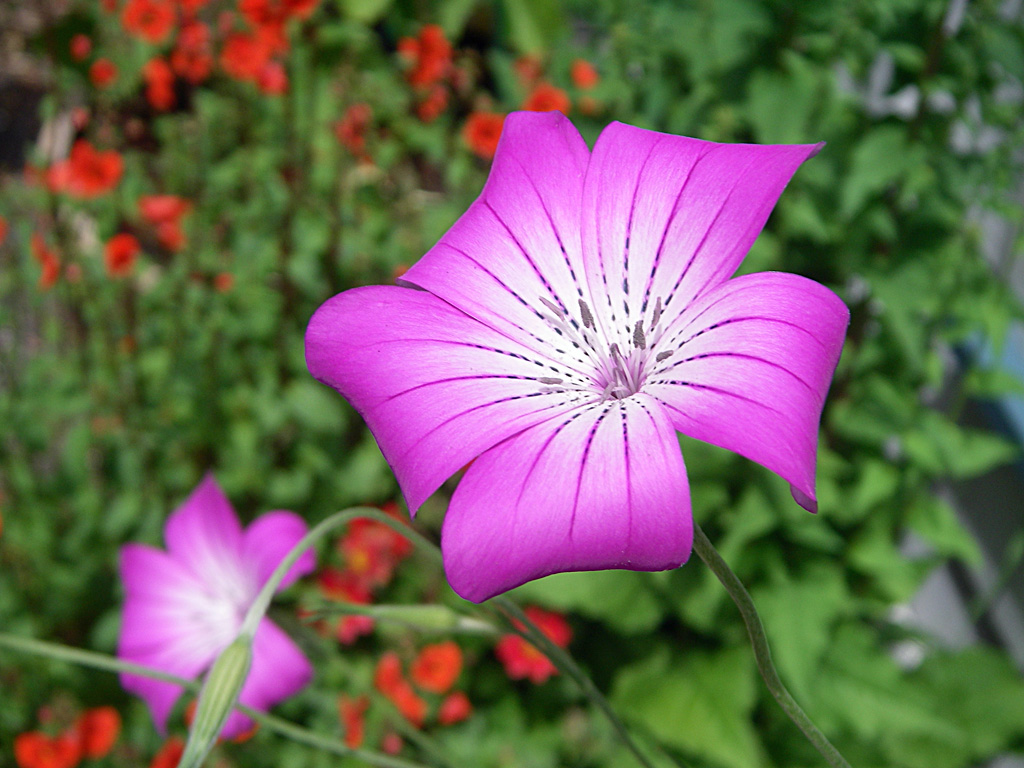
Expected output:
{"points": [[365, 11], [701, 703], [798, 614], [532, 24], [880, 159], [935, 521]]}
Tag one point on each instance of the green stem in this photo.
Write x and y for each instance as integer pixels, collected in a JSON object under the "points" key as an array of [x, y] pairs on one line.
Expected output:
{"points": [[259, 607], [762, 653], [565, 663], [270, 722]]}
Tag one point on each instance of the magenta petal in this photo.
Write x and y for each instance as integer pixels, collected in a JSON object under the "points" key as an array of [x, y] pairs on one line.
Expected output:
{"points": [[602, 486], [436, 387], [750, 366], [204, 534], [667, 217], [168, 623], [279, 670], [269, 538], [520, 241]]}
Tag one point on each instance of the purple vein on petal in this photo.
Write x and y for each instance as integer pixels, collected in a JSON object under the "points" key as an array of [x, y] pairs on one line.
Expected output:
{"points": [[707, 232], [731, 321], [629, 226], [668, 225], [522, 249], [554, 230], [718, 390], [739, 355], [583, 465]]}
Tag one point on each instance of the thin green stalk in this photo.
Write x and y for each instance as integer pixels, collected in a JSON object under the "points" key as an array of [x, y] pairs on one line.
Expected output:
{"points": [[702, 545], [270, 722], [565, 663]]}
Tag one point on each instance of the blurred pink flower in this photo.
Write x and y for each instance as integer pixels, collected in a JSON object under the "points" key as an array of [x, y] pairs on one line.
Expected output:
{"points": [[185, 605], [577, 316]]}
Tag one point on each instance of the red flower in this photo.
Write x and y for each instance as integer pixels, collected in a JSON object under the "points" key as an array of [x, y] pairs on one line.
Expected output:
{"points": [[159, 79], [341, 585], [190, 7], [583, 74], [547, 98], [97, 731], [521, 659], [353, 718], [244, 56], [37, 750], [3, 230], [86, 173], [391, 743], [164, 213], [223, 282], [170, 754], [482, 131], [149, 19], [389, 681], [192, 58], [433, 105], [437, 667], [272, 79], [47, 259], [120, 253], [430, 54], [351, 129], [528, 69], [454, 709], [372, 551], [81, 47], [102, 73]]}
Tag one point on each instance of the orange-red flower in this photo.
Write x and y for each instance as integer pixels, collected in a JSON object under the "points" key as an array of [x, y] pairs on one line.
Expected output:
{"points": [[528, 69], [35, 749], [372, 551], [352, 128], [48, 261], [429, 53], [97, 730], [521, 659], [455, 708], [430, 108], [164, 213], [389, 681], [482, 131], [223, 282], [3, 230], [353, 718], [87, 172], [170, 754], [81, 47], [192, 57], [244, 56], [547, 98], [102, 73], [584, 75], [272, 79], [151, 20], [159, 79], [336, 584], [437, 667], [120, 253]]}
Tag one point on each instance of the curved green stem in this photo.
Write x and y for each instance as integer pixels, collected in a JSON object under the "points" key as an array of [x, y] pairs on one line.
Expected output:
{"points": [[762, 653], [564, 662], [270, 722]]}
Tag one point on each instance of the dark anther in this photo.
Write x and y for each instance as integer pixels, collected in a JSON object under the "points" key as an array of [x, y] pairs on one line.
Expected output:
{"points": [[638, 336], [588, 319], [663, 356], [553, 307], [549, 380]]}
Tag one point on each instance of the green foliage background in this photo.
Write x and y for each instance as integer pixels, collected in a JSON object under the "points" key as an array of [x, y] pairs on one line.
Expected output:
{"points": [[99, 441]]}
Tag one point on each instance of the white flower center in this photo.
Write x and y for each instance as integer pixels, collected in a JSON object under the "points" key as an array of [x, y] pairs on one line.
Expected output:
{"points": [[614, 373]]}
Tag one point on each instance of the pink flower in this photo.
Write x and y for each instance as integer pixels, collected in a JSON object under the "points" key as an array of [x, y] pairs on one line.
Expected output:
{"points": [[577, 316], [185, 605]]}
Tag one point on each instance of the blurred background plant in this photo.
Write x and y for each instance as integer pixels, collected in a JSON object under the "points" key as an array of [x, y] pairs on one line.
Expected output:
{"points": [[185, 181]]}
